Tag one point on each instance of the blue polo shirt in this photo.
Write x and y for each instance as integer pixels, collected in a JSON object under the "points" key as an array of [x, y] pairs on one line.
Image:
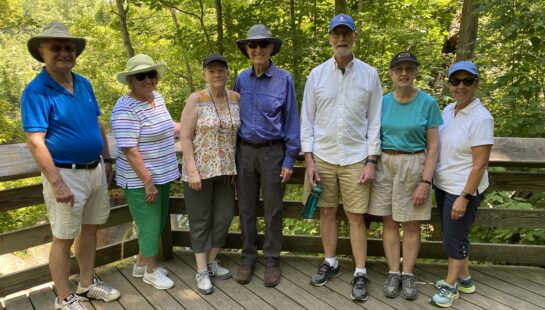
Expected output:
{"points": [[268, 110], [69, 120]]}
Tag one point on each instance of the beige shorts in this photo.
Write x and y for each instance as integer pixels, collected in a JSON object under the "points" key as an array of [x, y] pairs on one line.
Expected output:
{"points": [[355, 196], [396, 179], [91, 201]]}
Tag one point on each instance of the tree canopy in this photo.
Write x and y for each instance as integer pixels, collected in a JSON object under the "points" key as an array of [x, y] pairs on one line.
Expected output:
{"points": [[509, 49]]}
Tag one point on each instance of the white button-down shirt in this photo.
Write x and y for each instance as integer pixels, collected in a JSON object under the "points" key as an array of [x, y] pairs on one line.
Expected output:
{"points": [[340, 116]]}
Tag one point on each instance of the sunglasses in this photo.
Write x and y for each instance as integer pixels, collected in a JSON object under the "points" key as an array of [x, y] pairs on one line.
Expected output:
{"points": [[57, 48], [255, 44], [454, 81], [141, 76]]}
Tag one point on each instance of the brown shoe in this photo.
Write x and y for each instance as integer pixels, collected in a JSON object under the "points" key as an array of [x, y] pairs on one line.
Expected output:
{"points": [[244, 274], [272, 276]]}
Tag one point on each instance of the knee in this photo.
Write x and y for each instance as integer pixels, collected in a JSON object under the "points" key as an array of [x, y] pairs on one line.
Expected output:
{"points": [[88, 229], [328, 214], [389, 223], [412, 227], [64, 244], [355, 219]]}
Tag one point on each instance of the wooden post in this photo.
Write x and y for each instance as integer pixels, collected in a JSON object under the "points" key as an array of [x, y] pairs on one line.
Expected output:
{"points": [[468, 31]]}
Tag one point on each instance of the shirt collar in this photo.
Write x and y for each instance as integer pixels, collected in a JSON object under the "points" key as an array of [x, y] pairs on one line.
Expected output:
{"points": [[470, 107], [268, 73], [348, 67], [51, 83]]}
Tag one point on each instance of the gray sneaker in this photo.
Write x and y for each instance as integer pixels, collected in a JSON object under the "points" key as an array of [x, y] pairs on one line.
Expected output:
{"points": [[325, 272], [408, 287], [215, 270], [391, 287]]}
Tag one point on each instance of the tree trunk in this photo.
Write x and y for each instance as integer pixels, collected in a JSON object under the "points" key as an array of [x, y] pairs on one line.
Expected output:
{"points": [[219, 27], [122, 12], [340, 6], [468, 31], [189, 76]]}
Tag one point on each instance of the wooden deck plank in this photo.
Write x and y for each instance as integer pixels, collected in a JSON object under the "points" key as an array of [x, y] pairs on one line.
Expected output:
{"points": [[130, 296], [487, 288], [341, 287], [43, 298], [159, 299], [514, 279], [507, 288], [325, 294], [21, 302], [218, 299], [273, 297], [246, 298], [534, 274], [425, 283]]}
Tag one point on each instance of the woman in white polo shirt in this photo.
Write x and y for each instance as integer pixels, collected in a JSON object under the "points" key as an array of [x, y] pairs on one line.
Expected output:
{"points": [[461, 177]]}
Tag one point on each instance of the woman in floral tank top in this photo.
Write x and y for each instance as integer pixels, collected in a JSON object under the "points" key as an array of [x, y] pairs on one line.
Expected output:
{"points": [[210, 121]]}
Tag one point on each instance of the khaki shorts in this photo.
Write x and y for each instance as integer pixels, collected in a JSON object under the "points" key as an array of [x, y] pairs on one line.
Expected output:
{"points": [[91, 201], [396, 179], [355, 196]]}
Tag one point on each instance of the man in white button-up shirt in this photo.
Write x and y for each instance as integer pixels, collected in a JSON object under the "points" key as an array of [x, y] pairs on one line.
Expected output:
{"points": [[340, 136]]}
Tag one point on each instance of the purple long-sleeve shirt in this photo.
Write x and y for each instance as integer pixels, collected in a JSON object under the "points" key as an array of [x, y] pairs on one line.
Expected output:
{"points": [[268, 110]]}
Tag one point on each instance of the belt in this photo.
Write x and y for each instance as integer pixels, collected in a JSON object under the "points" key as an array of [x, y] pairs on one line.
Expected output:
{"points": [[259, 144], [396, 152], [91, 165]]}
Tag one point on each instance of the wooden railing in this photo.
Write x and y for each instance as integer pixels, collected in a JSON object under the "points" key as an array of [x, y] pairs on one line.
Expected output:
{"points": [[517, 154]]}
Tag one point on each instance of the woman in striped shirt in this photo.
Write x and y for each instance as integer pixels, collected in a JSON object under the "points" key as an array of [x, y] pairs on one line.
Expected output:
{"points": [[146, 160]]}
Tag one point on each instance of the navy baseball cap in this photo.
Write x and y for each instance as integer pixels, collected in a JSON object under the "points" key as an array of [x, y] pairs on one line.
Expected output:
{"points": [[212, 58], [464, 65], [403, 56], [342, 20]]}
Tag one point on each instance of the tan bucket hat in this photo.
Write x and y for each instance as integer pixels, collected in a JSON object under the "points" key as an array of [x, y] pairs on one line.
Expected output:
{"points": [[259, 32], [138, 64], [53, 30]]}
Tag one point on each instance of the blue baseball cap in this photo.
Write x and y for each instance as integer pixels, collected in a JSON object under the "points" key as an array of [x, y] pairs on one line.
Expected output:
{"points": [[342, 20], [464, 65]]}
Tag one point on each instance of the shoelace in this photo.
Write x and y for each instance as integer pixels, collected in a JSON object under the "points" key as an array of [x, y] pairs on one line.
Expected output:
{"points": [[408, 281], [203, 279], [324, 268], [445, 292], [99, 289], [359, 281], [393, 279], [76, 304]]}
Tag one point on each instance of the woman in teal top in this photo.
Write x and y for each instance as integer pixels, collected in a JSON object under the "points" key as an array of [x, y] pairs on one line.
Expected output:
{"points": [[401, 192]]}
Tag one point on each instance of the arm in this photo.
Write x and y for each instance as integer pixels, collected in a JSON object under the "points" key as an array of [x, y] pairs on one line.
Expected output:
{"points": [[374, 113], [137, 163], [40, 153], [422, 189], [480, 156], [308, 114], [291, 125], [106, 153], [187, 133]]}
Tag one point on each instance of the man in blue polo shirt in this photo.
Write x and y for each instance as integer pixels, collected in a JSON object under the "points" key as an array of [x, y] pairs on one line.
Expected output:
{"points": [[267, 149], [60, 118]]}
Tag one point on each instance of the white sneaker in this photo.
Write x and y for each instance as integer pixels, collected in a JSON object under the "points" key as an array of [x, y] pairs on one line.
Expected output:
{"points": [[71, 302], [139, 271], [97, 290], [203, 282], [215, 270], [158, 279]]}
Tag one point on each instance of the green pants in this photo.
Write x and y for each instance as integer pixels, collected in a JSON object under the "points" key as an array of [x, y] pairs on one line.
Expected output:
{"points": [[150, 218]]}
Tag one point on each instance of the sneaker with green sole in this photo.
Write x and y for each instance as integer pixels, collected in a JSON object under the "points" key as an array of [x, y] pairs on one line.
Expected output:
{"points": [[444, 297], [464, 286]]}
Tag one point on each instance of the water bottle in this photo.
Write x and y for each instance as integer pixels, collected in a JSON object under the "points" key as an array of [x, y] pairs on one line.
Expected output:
{"points": [[312, 200]]}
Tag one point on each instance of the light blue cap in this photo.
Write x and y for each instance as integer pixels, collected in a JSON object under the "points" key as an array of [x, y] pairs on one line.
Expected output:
{"points": [[464, 65], [342, 20]]}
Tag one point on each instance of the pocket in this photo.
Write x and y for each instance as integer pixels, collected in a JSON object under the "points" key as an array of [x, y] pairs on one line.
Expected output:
{"points": [[270, 105]]}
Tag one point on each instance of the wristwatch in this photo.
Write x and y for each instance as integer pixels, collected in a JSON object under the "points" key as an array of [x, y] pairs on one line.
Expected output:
{"points": [[467, 196]]}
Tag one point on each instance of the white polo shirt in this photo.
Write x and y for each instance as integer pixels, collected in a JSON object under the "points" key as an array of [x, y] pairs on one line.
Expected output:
{"points": [[340, 115], [473, 126]]}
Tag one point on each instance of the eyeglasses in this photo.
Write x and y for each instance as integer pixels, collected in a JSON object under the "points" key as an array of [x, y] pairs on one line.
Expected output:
{"points": [[454, 81], [409, 70], [150, 74], [57, 48], [255, 44]]}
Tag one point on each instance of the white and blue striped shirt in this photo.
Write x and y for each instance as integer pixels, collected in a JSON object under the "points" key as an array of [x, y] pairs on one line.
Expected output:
{"points": [[135, 123]]}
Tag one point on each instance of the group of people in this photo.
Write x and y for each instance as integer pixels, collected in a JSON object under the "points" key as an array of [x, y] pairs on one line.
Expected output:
{"points": [[382, 154]]}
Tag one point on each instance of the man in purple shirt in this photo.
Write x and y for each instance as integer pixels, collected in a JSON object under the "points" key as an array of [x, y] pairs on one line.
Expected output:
{"points": [[268, 144]]}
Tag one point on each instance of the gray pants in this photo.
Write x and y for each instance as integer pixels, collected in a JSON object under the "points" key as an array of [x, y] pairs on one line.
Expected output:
{"points": [[259, 168], [210, 212]]}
